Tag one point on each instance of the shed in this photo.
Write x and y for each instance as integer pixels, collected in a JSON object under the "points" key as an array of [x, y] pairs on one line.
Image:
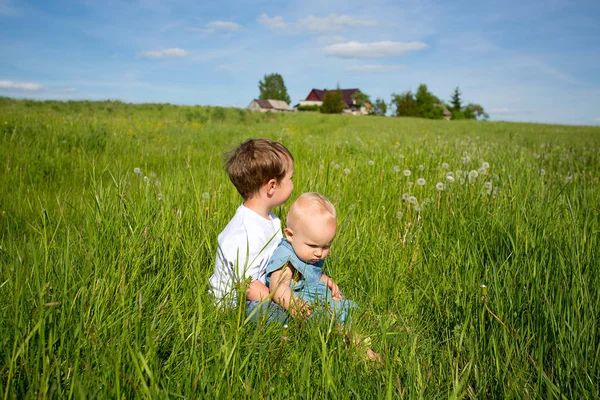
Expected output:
{"points": [[268, 105]]}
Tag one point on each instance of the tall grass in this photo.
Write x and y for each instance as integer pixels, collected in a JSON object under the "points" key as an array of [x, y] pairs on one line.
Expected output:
{"points": [[473, 291]]}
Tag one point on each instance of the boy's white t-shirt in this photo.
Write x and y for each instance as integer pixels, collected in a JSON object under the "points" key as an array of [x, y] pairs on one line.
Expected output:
{"points": [[245, 247]]}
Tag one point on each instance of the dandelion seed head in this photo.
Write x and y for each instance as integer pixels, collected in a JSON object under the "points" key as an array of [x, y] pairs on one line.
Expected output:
{"points": [[146, 179], [405, 196], [336, 166], [412, 200], [371, 162], [421, 167], [482, 171], [399, 214], [346, 171], [152, 174], [420, 181], [137, 171], [542, 172], [488, 187], [485, 165], [440, 186], [396, 168], [569, 179], [160, 197], [445, 166], [206, 195], [406, 172], [417, 208], [450, 178], [410, 184], [157, 184], [473, 176]]}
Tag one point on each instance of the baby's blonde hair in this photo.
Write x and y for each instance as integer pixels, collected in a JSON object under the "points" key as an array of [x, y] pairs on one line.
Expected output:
{"points": [[310, 204]]}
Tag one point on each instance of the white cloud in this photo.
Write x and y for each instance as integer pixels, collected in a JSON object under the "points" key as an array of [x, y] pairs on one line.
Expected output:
{"points": [[316, 25], [596, 120], [222, 26], [330, 39], [272, 22], [165, 53], [332, 22], [372, 50], [374, 68], [22, 86]]}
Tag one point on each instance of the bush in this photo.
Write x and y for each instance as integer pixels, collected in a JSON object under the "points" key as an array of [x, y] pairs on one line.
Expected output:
{"points": [[333, 102], [309, 108]]}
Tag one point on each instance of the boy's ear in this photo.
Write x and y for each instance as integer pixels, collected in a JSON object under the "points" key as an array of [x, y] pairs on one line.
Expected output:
{"points": [[289, 234], [271, 186]]}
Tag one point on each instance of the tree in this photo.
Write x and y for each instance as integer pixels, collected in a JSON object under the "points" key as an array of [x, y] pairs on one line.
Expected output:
{"points": [[405, 104], [470, 111], [361, 98], [380, 107], [475, 111], [273, 88], [429, 105], [333, 103], [424, 104], [455, 101]]}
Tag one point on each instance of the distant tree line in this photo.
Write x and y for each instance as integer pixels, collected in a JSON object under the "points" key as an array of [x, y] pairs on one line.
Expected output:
{"points": [[424, 104], [421, 104]]}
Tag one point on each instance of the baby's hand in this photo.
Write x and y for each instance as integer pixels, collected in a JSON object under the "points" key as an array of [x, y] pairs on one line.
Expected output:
{"points": [[300, 310], [336, 294]]}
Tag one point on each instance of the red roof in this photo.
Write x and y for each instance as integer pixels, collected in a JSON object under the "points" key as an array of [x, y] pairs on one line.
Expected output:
{"points": [[346, 95]]}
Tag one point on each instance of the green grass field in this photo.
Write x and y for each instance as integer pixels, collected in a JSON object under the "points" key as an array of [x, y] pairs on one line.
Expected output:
{"points": [[104, 271]]}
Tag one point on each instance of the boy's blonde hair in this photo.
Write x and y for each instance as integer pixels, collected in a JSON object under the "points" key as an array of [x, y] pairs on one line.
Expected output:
{"points": [[256, 161], [310, 204]]}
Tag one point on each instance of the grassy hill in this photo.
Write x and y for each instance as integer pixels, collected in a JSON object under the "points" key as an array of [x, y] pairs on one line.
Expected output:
{"points": [[109, 214]]}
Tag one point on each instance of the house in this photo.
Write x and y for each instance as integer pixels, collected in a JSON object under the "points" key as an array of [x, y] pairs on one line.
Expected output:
{"points": [[268, 105], [316, 96], [447, 113]]}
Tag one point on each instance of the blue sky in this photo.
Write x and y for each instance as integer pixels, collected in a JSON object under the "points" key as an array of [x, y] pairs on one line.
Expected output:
{"points": [[522, 60]]}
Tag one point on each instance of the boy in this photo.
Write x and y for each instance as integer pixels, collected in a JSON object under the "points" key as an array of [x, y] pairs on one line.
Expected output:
{"points": [[261, 170]]}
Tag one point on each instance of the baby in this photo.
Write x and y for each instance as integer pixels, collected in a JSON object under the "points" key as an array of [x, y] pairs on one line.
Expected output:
{"points": [[295, 271]]}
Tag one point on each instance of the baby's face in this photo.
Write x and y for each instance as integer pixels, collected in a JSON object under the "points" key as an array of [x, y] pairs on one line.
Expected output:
{"points": [[312, 238]]}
